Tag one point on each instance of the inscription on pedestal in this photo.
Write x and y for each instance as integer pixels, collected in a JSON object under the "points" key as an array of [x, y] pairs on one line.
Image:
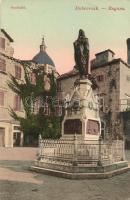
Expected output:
{"points": [[73, 126], [93, 127]]}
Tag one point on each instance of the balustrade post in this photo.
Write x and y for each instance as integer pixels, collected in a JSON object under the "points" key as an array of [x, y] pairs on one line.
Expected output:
{"points": [[75, 161], [100, 152], [39, 140], [39, 147], [117, 149], [123, 148], [110, 154]]}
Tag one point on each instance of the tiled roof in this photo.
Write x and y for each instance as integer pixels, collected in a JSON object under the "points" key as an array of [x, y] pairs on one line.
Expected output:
{"points": [[114, 61], [68, 74], [7, 35], [74, 72], [104, 52]]}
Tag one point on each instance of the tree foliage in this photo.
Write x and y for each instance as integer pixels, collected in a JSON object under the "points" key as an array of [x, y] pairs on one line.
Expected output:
{"points": [[37, 123]]}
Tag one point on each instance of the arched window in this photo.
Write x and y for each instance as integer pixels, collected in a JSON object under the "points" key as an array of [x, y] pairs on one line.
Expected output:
{"points": [[46, 110], [35, 106], [58, 110], [32, 78]]}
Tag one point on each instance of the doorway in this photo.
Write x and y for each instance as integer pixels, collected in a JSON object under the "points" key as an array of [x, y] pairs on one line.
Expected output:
{"points": [[2, 137], [16, 139]]}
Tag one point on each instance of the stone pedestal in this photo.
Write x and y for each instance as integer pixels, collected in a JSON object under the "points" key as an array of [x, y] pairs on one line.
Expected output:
{"points": [[82, 113]]}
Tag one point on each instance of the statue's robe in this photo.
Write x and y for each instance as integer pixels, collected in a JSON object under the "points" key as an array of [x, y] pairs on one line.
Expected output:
{"points": [[81, 55]]}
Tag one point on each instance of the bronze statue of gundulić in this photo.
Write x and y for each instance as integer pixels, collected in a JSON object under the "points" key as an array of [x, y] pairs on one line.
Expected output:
{"points": [[81, 54]]}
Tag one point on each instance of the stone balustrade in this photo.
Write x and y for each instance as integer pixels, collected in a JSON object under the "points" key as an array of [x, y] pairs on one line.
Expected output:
{"points": [[76, 152]]}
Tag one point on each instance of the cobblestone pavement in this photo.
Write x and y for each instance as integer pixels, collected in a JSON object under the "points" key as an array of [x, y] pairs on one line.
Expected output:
{"points": [[18, 183]]}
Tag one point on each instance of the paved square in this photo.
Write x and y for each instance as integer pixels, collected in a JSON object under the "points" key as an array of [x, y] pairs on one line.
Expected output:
{"points": [[18, 183]]}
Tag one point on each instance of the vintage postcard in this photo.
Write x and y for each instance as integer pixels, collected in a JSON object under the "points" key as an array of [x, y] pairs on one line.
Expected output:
{"points": [[64, 99]]}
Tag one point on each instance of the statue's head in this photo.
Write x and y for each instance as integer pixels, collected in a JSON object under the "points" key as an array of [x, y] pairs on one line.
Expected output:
{"points": [[81, 33]]}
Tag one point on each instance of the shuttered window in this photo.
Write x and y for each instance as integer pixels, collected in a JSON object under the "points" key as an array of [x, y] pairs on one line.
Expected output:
{"points": [[1, 98], [18, 72], [2, 65], [17, 103], [2, 43]]}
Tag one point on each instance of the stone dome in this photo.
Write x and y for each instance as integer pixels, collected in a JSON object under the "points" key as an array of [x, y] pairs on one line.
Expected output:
{"points": [[42, 57]]}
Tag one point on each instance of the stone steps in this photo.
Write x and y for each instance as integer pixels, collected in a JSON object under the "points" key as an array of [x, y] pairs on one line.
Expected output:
{"points": [[68, 175]]}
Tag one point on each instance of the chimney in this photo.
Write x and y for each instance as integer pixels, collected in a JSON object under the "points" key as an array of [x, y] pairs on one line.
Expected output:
{"points": [[128, 50]]}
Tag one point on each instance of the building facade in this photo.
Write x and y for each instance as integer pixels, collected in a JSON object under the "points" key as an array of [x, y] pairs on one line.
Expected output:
{"points": [[10, 133]]}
